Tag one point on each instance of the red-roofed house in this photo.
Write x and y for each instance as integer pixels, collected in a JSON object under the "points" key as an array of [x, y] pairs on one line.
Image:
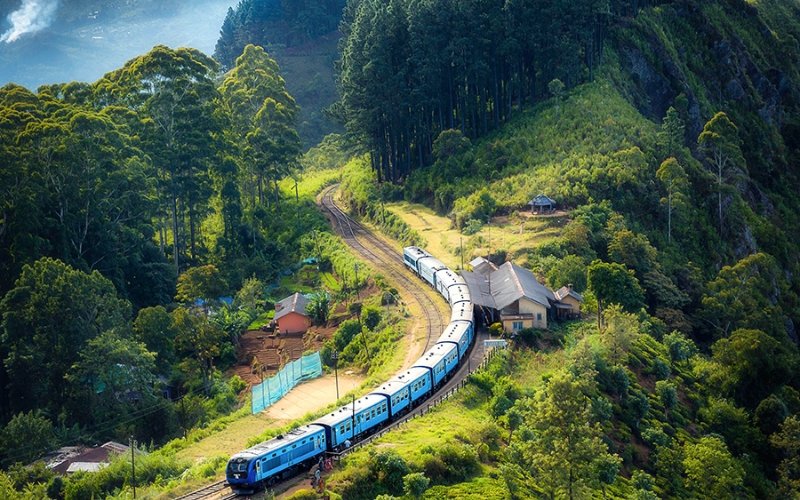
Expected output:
{"points": [[290, 314]]}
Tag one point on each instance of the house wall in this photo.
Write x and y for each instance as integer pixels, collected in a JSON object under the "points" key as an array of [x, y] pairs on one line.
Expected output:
{"points": [[293, 323], [573, 302], [508, 324], [537, 310]]}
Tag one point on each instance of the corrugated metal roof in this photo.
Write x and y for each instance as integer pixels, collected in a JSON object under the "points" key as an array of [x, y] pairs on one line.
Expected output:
{"points": [[506, 285], [482, 266], [542, 200], [479, 290], [295, 303], [511, 282]]}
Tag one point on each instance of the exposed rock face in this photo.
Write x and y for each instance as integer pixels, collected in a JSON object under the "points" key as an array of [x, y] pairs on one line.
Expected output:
{"points": [[659, 93]]}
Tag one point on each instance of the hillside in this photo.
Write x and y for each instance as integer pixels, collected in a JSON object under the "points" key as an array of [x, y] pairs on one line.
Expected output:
{"points": [[675, 158]]}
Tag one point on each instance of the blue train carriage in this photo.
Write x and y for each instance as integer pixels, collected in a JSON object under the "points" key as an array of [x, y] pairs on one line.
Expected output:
{"points": [[458, 293], [427, 267], [278, 458], [441, 360], [406, 390], [460, 334], [412, 254], [462, 311], [445, 279], [351, 421]]}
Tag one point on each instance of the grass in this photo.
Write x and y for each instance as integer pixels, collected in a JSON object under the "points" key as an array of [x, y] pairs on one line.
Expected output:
{"points": [[330, 282], [261, 320], [233, 439], [515, 234]]}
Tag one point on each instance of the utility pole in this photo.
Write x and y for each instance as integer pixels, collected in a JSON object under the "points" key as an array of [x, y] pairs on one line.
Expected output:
{"points": [[461, 251], [335, 358], [133, 465], [355, 268]]}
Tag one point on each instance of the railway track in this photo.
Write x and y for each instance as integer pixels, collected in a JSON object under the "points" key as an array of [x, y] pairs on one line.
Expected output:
{"points": [[383, 256], [212, 490]]}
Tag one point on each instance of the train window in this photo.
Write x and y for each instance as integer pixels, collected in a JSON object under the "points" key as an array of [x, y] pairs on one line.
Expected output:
{"points": [[373, 413], [274, 455], [294, 446], [341, 428], [283, 450]]}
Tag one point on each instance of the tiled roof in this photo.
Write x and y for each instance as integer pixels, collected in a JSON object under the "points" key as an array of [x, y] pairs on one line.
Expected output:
{"points": [[294, 303], [564, 291]]}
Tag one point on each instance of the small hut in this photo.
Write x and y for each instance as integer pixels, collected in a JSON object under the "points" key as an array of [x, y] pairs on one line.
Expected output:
{"points": [[542, 205]]}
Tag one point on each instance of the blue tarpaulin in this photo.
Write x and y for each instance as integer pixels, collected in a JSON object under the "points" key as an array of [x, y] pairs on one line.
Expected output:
{"points": [[275, 387]]}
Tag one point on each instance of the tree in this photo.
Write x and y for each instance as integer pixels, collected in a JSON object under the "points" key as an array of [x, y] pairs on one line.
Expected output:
{"points": [[620, 332], [198, 342], [668, 396], [742, 296], [264, 117], [671, 138], [26, 437], [711, 470], [415, 484], [559, 440], [750, 365], [318, 308], [174, 94], [203, 282], [571, 270], [113, 377], [251, 295], [607, 470], [48, 319], [679, 347], [720, 140], [154, 327], [613, 283], [556, 88], [372, 317], [676, 183], [638, 405], [788, 442]]}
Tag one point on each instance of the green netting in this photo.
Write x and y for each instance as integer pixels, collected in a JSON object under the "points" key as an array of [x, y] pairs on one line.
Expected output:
{"points": [[274, 388]]}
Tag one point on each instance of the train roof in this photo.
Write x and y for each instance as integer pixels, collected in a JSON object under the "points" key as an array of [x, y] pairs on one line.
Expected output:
{"points": [[278, 442], [434, 355], [454, 331], [408, 375], [391, 387], [345, 412], [416, 252]]}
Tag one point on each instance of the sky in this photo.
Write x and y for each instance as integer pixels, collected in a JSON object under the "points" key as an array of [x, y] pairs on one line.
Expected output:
{"points": [[36, 49]]}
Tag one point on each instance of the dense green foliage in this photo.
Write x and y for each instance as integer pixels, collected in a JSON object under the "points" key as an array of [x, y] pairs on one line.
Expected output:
{"points": [[412, 69], [129, 208], [676, 166], [275, 22]]}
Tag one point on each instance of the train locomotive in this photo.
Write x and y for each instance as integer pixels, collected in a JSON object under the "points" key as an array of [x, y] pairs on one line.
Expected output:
{"points": [[284, 455]]}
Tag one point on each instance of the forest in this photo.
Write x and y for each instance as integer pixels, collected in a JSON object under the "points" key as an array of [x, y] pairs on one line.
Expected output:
{"points": [[153, 186], [668, 132]]}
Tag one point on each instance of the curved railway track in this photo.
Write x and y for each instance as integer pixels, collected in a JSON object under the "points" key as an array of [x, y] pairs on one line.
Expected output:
{"points": [[383, 256]]}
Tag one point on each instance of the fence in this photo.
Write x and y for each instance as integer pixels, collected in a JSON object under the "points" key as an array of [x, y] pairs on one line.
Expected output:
{"points": [[274, 388]]}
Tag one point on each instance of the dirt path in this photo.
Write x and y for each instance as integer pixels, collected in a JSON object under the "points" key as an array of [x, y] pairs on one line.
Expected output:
{"points": [[311, 396]]}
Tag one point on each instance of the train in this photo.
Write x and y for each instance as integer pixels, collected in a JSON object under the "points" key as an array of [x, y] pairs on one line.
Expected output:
{"points": [[284, 455]]}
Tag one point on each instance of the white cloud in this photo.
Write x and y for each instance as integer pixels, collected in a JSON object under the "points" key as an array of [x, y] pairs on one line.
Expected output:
{"points": [[32, 16]]}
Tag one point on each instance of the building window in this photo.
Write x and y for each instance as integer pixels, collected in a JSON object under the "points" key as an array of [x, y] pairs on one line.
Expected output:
{"points": [[538, 316], [516, 326]]}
